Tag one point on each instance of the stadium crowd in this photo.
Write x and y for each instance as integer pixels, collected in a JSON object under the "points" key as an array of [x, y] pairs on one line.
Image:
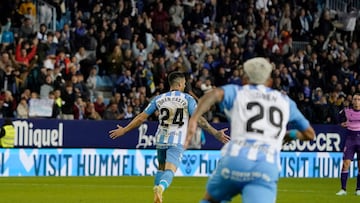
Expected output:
{"points": [[128, 47]]}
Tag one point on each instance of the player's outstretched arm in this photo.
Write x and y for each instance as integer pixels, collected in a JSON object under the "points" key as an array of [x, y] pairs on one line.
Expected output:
{"points": [[136, 122], [218, 134]]}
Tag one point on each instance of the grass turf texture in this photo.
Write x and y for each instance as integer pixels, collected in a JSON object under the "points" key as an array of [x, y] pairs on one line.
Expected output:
{"points": [[139, 190]]}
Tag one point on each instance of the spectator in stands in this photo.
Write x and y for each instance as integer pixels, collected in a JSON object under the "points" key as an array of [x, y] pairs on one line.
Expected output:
{"points": [[47, 49], [129, 112], [119, 99], [27, 28], [8, 80], [90, 112], [66, 38], [125, 83], [100, 105], [79, 34], [46, 88], [176, 13], [114, 63], [240, 31], [42, 33], [91, 82], [58, 102], [68, 97], [9, 104], [7, 134], [27, 5], [160, 19], [81, 54], [22, 109], [125, 33], [5, 60], [6, 35], [79, 109], [112, 112], [21, 55]]}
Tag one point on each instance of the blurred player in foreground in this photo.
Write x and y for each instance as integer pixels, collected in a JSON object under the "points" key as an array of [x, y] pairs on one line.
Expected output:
{"points": [[175, 108], [258, 117], [351, 121]]}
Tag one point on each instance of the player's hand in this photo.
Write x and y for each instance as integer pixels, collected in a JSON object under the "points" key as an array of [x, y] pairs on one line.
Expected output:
{"points": [[287, 139], [222, 136], [117, 132], [191, 132], [343, 124]]}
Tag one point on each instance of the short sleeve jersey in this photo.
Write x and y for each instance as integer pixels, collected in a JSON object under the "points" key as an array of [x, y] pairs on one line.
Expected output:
{"points": [[260, 114], [175, 109]]}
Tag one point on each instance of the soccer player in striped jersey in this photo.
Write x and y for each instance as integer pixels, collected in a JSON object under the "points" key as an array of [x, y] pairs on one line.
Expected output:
{"points": [[175, 108], [258, 116], [351, 121]]}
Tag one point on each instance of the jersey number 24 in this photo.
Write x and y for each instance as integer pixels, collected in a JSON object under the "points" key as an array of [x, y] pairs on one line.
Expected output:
{"points": [[165, 118]]}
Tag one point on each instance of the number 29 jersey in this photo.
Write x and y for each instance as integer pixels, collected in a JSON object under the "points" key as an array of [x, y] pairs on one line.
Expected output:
{"points": [[259, 116], [175, 108]]}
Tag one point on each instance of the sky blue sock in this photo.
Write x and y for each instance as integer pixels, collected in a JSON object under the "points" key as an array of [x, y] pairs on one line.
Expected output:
{"points": [[204, 201], [166, 179], [158, 175]]}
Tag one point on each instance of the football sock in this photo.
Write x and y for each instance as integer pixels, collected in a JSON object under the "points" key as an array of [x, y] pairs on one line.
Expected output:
{"points": [[166, 179], [158, 175], [358, 181], [204, 201], [344, 177]]}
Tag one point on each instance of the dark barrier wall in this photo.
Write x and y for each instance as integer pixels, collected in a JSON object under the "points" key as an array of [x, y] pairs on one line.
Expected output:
{"points": [[45, 133]]}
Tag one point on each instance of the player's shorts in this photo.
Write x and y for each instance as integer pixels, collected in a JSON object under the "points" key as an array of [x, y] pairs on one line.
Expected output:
{"points": [[171, 154], [352, 145], [256, 181]]}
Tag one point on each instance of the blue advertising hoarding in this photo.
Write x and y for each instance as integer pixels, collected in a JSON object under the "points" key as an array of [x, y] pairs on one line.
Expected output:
{"points": [[53, 133], [132, 162]]}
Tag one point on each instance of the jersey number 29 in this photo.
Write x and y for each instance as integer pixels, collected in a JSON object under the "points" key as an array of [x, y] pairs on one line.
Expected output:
{"points": [[273, 113]]}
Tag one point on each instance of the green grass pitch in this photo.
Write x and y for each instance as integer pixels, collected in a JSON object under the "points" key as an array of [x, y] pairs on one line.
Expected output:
{"points": [[139, 190]]}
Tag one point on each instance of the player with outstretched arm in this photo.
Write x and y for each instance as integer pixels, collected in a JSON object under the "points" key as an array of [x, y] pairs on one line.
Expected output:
{"points": [[175, 108]]}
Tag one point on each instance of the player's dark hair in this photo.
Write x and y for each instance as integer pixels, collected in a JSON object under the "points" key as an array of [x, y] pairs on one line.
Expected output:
{"points": [[174, 76]]}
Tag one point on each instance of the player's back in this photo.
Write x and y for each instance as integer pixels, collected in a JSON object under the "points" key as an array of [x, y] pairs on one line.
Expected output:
{"points": [[174, 108], [259, 116], [259, 113]]}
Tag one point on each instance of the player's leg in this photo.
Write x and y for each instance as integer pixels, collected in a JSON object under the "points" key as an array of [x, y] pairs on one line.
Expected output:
{"points": [[219, 187], [344, 176], [357, 192], [348, 155], [161, 156], [173, 158], [251, 193], [172, 161], [263, 180]]}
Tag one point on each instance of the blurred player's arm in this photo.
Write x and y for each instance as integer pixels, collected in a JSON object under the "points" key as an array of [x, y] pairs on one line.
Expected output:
{"points": [[302, 129], [307, 134]]}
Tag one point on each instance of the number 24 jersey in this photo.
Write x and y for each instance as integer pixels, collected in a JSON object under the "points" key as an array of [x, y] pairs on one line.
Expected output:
{"points": [[175, 108]]}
